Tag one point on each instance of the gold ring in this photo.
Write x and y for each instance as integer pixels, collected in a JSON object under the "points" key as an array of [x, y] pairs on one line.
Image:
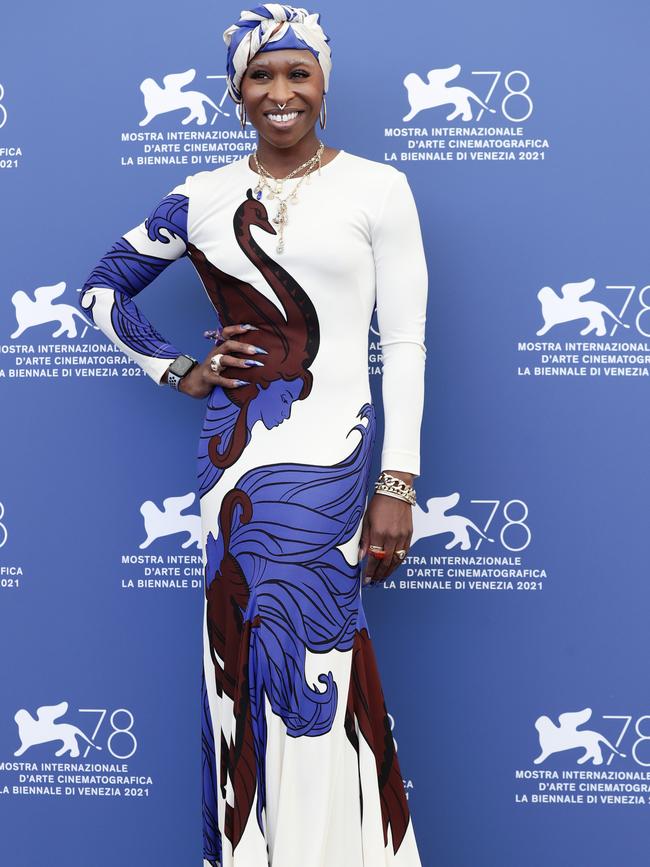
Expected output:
{"points": [[216, 367], [401, 553]]}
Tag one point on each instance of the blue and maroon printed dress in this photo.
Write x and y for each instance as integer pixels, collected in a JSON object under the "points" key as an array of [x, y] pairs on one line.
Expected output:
{"points": [[300, 768]]}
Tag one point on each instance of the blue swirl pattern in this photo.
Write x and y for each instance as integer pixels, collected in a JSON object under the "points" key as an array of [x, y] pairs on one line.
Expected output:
{"points": [[127, 271], [302, 593]]}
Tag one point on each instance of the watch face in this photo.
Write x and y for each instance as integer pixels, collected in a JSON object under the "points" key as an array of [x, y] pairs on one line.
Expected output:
{"points": [[182, 365]]}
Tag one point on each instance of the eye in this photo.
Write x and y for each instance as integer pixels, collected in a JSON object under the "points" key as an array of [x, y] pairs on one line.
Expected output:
{"points": [[301, 73], [258, 73]]}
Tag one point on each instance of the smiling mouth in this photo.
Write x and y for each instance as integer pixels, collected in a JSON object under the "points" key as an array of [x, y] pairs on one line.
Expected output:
{"points": [[282, 118]]}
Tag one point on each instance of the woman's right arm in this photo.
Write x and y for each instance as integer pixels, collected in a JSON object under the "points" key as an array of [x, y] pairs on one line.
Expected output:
{"points": [[133, 261]]}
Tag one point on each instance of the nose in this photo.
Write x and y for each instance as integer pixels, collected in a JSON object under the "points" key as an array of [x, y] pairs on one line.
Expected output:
{"points": [[280, 90]]}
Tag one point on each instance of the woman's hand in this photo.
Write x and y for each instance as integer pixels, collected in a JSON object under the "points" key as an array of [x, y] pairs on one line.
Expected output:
{"points": [[200, 381], [388, 524]]}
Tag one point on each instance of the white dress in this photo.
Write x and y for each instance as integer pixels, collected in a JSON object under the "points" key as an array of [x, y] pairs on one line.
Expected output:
{"points": [[299, 762]]}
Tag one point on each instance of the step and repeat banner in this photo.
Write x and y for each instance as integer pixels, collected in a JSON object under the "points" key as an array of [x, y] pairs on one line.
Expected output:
{"points": [[513, 640]]}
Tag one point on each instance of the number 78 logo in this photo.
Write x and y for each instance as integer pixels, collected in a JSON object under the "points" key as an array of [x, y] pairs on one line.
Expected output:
{"points": [[506, 519], [516, 84], [437, 91]]}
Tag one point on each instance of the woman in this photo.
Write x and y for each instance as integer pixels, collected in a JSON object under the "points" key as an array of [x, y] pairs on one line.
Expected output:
{"points": [[299, 761]]}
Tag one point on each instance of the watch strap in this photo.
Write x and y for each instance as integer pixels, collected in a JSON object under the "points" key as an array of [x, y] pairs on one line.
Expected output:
{"points": [[173, 380]]}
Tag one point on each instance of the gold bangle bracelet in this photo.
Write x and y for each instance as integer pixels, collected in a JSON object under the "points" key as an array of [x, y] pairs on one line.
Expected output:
{"points": [[388, 493]]}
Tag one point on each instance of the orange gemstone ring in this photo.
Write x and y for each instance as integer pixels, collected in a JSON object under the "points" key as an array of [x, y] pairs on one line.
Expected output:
{"points": [[377, 552]]}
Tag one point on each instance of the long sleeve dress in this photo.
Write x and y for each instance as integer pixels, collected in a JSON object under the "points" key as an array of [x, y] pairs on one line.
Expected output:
{"points": [[299, 764]]}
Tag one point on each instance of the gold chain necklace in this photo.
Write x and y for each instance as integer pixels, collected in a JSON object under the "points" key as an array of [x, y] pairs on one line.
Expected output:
{"points": [[275, 185]]}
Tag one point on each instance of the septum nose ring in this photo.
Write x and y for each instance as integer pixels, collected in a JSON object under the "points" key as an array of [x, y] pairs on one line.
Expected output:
{"points": [[281, 107]]}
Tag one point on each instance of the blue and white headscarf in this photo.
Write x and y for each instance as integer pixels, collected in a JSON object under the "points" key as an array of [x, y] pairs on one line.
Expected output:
{"points": [[273, 26]]}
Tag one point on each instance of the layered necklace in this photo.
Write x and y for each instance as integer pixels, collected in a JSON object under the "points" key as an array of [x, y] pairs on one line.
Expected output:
{"points": [[275, 185]]}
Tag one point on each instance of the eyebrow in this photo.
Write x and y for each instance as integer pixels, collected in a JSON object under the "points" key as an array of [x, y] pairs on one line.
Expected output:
{"points": [[264, 62]]}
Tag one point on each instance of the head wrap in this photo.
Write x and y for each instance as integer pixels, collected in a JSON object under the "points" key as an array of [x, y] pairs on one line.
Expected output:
{"points": [[256, 31]]}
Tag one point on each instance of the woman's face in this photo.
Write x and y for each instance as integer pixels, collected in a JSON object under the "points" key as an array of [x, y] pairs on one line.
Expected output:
{"points": [[287, 75]]}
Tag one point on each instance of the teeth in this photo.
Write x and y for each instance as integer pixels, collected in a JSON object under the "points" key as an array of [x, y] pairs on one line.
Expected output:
{"points": [[283, 117]]}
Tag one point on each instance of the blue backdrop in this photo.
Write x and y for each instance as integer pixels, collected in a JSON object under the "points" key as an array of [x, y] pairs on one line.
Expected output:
{"points": [[512, 642]]}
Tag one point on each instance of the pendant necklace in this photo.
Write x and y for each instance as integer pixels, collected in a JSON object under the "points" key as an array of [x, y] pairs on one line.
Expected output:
{"points": [[274, 185]]}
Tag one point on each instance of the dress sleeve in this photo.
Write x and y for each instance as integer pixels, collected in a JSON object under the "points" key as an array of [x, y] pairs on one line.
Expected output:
{"points": [[134, 260], [401, 294]]}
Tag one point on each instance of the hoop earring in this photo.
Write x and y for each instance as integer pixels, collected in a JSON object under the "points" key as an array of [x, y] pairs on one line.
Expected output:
{"points": [[242, 115], [322, 117]]}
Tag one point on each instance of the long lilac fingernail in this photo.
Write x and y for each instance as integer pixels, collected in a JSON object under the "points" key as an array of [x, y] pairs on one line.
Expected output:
{"points": [[250, 327], [240, 382], [259, 349], [212, 335], [251, 362]]}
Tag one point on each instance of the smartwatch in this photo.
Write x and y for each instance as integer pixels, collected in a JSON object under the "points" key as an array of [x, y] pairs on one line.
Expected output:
{"points": [[179, 368]]}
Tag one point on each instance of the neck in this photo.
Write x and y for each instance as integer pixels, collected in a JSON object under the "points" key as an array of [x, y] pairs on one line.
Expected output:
{"points": [[280, 161]]}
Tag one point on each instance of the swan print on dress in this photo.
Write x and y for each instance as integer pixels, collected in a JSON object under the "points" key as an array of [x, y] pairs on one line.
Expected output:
{"points": [[289, 336], [299, 762]]}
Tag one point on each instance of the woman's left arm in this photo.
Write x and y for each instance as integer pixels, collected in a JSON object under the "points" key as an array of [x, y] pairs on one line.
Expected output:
{"points": [[401, 291]]}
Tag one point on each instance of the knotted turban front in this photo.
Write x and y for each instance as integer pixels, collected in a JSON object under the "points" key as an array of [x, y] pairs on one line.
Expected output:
{"points": [[268, 27]]}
